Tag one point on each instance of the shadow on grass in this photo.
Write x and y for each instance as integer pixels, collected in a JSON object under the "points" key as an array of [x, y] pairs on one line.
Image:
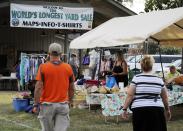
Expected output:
{"points": [[177, 112], [8, 114], [7, 126], [81, 119]]}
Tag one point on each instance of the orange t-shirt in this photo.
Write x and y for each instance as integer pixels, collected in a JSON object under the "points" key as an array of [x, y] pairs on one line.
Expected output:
{"points": [[56, 79]]}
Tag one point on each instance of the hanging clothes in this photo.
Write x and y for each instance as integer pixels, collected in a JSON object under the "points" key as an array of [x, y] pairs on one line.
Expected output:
{"points": [[86, 60], [29, 67], [22, 70], [27, 70], [74, 64], [94, 62]]}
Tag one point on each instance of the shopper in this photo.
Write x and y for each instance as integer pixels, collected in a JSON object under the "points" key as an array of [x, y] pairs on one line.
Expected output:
{"points": [[172, 74], [17, 70], [74, 64], [54, 90], [120, 69], [149, 100]]}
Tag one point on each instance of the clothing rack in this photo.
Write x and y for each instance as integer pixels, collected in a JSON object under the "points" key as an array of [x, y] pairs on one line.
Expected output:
{"points": [[29, 66], [36, 54], [33, 54]]}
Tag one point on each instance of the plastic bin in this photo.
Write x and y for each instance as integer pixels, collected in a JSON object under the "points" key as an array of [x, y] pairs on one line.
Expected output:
{"points": [[20, 104]]}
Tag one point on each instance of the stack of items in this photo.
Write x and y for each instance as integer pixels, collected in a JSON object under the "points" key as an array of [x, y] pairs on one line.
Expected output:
{"points": [[80, 97], [22, 101], [108, 87]]}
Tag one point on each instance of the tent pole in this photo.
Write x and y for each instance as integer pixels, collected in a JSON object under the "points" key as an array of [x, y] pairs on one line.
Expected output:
{"points": [[135, 63], [100, 51], [65, 47], [145, 47], [80, 59], [160, 55], [161, 60], [182, 62]]}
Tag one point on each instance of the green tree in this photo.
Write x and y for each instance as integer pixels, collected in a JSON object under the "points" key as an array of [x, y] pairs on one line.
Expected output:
{"points": [[154, 49], [170, 51], [162, 4], [151, 5]]}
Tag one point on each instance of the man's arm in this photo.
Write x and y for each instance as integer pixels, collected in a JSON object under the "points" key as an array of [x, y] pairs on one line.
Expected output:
{"points": [[37, 92], [71, 89], [71, 92]]}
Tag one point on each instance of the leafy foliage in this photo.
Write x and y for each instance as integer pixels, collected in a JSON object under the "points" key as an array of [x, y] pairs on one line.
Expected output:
{"points": [[162, 4], [151, 5], [154, 49], [170, 51]]}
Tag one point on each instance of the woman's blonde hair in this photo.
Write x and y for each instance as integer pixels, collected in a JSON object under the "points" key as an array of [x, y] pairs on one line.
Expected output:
{"points": [[147, 63]]}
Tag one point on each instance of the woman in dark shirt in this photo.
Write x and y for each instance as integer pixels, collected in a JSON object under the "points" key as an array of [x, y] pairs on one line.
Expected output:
{"points": [[120, 69]]}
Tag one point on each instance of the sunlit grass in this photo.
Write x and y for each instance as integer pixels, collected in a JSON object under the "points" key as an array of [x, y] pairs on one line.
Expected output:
{"points": [[81, 120]]}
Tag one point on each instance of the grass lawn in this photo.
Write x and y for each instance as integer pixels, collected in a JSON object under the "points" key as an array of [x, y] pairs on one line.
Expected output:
{"points": [[81, 119]]}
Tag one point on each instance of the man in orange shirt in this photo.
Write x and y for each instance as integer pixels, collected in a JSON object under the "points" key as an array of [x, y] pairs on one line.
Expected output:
{"points": [[54, 90]]}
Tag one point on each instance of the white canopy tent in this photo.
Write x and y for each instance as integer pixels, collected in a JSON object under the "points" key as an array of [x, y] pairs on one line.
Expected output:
{"points": [[165, 26]]}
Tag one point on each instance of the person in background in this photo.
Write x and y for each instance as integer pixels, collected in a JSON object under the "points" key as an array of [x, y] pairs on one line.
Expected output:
{"points": [[74, 64], [172, 74], [120, 69], [54, 91], [103, 68], [94, 56], [111, 62], [147, 95], [17, 70]]}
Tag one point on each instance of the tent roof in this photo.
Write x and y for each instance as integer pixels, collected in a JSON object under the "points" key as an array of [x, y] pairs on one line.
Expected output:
{"points": [[165, 26]]}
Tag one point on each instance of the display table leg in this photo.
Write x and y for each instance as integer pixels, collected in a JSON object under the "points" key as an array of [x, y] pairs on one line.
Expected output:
{"points": [[117, 119]]}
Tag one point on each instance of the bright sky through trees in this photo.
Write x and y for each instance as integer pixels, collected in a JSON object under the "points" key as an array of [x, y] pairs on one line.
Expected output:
{"points": [[135, 5]]}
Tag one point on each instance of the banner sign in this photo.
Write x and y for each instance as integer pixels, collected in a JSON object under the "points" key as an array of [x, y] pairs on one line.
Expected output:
{"points": [[51, 17]]}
